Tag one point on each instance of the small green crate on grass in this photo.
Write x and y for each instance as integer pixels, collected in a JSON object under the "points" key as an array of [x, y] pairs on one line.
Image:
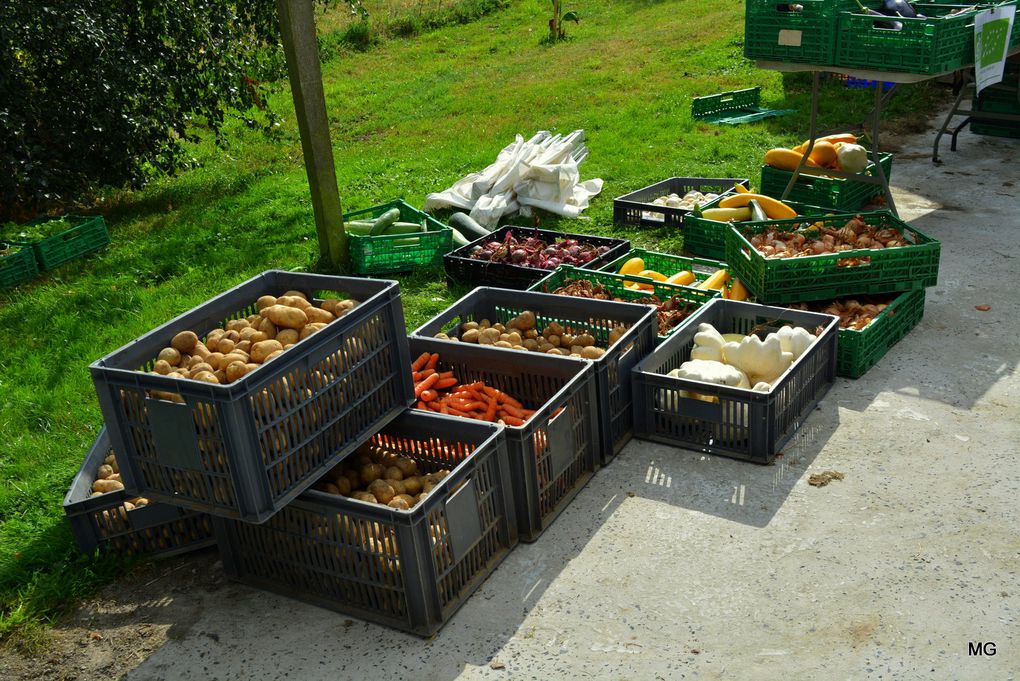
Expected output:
{"points": [[707, 238], [859, 350], [802, 32], [826, 192], [938, 43], [58, 240], [615, 284], [396, 252], [17, 264], [832, 275]]}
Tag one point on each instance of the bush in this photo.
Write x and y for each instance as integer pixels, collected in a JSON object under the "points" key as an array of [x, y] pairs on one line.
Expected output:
{"points": [[95, 93]]}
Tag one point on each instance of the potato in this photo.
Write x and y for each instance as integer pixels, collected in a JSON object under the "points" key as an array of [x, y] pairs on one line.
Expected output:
{"points": [[214, 359], [394, 473], [171, 356], [530, 344], [343, 485], [243, 346], [370, 472], [616, 333], [327, 487], [311, 328], [488, 336], [221, 375], [207, 376], [128, 506], [504, 337], [184, 341], [556, 351], [329, 305], [287, 337], [295, 302], [382, 491], [265, 301], [246, 334], [236, 370], [292, 292], [407, 466], [161, 367], [96, 494], [400, 503], [104, 472], [470, 336], [200, 367], [412, 485], [554, 340], [484, 324], [314, 314], [408, 499], [225, 345], [213, 337], [105, 486], [236, 325], [261, 351], [555, 328], [514, 338], [421, 497], [354, 476], [502, 344], [469, 326], [585, 340], [268, 328], [232, 335], [364, 496], [592, 352], [287, 317], [201, 350], [396, 484]]}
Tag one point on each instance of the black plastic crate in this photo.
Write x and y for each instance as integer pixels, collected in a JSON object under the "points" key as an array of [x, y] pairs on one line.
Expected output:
{"points": [[742, 424], [460, 267], [409, 570], [244, 450], [597, 317], [155, 530], [554, 454], [629, 209]]}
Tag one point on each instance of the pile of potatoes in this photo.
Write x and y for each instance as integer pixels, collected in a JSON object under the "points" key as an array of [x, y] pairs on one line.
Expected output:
{"points": [[108, 480], [521, 333], [380, 476], [243, 345]]}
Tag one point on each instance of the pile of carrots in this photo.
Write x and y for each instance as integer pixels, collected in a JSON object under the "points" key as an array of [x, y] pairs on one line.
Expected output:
{"points": [[441, 392]]}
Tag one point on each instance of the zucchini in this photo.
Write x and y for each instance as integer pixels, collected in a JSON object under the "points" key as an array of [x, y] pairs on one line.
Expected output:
{"points": [[406, 241], [467, 226], [757, 213], [403, 228], [360, 227], [458, 239], [385, 220]]}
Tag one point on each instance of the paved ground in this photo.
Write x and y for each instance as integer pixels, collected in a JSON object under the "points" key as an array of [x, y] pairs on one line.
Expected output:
{"points": [[672, 564]]}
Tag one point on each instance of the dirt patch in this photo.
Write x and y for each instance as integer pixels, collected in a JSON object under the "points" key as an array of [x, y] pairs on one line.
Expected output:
{"points": [[824, 478], [114, 632]]}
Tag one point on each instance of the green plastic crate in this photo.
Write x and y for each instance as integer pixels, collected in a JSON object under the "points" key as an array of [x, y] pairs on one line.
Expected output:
{"points": [[616, 283], [826, 192], [707, 238], [86, 234], [381, 254], [936, 44], [996, 100], [821, 277], [808, 36], [18, 266]]}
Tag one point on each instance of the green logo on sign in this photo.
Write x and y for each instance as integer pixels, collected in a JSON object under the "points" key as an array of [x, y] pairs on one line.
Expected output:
{"points": [[992, 42]]}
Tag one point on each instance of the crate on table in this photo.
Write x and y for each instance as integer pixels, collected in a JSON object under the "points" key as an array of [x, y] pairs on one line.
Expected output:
{"points": [[85, 234], [104, 522], [803, 32], [17, 266], [597, 317], [1003, 99], [834, 193], [407, 569], [937, 43], [245, 449], [384, 254], [462, 268], [616, 285], [859, 350], [707, 238], [733, 422], [832, 275], [636, 208], [555, 452]]}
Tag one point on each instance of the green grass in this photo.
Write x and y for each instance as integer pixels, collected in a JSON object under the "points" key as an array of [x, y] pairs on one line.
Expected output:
{"points": [[408, 117]]}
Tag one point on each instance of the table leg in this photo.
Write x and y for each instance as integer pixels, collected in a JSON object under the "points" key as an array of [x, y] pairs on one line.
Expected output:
{"points": [[815, 87], [876, 157], [949, 117]]}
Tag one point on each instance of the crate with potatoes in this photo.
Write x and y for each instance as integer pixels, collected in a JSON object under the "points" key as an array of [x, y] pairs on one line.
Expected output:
{"points": [[104, 515], [400, 532], [237, 406]]}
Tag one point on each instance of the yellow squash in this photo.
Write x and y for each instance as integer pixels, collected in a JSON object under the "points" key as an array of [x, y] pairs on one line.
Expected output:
{"points": [[632, 266], [717, 281], [652, 274], [776, 210], [728, 214], [831, 139], [737, 290], [682, 279]]}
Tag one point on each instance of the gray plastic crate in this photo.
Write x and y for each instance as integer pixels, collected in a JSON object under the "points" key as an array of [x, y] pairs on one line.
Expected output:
{"points": [[245, 449], [555, 452], [742, 424], [597, 317], [409, 570], [156, 530], [629, 209]]}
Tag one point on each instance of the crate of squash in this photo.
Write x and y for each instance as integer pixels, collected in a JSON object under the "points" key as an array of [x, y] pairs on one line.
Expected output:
{"points": [[399, 533], [237, 406], [104, 516]]}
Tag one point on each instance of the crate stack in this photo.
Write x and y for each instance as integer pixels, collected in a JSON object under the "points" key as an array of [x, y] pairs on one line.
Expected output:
{"points": [[23, 257]]}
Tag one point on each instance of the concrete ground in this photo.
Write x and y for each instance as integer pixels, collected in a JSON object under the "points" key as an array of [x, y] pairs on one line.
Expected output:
{"points": [[672, 564]]}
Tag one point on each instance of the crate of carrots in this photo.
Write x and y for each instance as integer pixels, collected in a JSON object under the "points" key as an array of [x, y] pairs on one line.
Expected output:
{"points": [[547, 405]]}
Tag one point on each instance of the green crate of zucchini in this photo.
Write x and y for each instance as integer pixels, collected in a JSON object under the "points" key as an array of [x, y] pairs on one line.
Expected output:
{"points": [[395, 237]]}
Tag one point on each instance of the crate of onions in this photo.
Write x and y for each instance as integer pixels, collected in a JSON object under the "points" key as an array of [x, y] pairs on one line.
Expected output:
{"points": [[869, 326], [737, 380], [517, 257], [785, 261]]}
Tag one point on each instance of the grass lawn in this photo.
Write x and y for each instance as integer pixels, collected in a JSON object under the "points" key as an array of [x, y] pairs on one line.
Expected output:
{"points": [[408, 117]]}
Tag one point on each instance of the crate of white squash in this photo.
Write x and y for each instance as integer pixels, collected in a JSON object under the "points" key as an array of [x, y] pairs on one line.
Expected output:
{"points": [[737, 380], [399, 533], [239, 405], [103, 515]]}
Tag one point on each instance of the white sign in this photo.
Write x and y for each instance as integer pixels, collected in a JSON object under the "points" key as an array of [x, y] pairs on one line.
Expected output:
{"points": [[991, 40]]}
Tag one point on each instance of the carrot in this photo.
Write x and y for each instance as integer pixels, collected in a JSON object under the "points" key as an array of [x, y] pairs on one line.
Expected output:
{"points": [[512, 421], [513, 411], [428, 395], [443, 409], [433, 360], [468, 406], [446, 374], [417, 364], [455, 412], [444, 383], [425, 384], [420, 405], [502, 397], [490, 413]]}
